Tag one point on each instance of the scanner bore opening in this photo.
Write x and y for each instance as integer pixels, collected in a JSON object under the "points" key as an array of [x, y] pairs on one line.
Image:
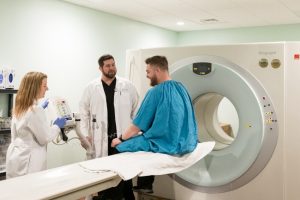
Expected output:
{"points": [[217, 119]]}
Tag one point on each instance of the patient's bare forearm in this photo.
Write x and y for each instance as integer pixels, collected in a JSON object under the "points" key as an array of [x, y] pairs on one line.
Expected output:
{"points": [[131, 131]]}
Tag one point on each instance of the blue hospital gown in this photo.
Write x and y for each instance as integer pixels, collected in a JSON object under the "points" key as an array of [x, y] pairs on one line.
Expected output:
{"points": [[166, 118]]}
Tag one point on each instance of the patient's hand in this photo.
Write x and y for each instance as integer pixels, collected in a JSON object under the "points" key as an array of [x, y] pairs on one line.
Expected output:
{"points": [[115, 142]]}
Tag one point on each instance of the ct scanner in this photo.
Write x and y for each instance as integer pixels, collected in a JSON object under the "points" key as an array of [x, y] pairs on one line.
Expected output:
{"points": [[258, 83]]}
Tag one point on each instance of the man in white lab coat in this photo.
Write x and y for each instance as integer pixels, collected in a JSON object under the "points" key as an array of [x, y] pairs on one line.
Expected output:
{"points": [[107, 107]]}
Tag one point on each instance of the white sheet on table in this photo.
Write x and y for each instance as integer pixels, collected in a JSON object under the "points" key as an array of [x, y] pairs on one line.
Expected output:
{"points": [[130, 164]]}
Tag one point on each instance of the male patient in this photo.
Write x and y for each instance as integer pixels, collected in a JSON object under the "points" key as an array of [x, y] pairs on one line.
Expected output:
{"points": [[166, 119]]}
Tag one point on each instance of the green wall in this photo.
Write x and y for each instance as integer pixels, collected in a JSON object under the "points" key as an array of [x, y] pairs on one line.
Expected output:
{"points": [[36, 34], [241, 35]]}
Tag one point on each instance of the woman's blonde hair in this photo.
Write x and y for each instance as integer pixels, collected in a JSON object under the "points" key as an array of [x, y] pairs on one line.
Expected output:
{"points": [[28, 92]]}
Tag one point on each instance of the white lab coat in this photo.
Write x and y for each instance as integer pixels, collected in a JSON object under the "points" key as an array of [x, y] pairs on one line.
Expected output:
{"points": [[93, 102], [30, 135]]}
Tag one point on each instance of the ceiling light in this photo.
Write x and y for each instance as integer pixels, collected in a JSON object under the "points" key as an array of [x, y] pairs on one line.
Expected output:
{"points": [[180, 23]]}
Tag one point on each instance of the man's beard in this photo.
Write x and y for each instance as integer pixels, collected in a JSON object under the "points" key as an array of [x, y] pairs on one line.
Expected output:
{"points": [[110, 74], [153, 81]]}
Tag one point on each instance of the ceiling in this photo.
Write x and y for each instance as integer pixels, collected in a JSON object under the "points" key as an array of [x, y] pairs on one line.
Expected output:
{"points": [[201, 14]]}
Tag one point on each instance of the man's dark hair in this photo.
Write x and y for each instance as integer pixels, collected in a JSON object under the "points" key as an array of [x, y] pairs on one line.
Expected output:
{"points": [[104, 58], [158, 61]]}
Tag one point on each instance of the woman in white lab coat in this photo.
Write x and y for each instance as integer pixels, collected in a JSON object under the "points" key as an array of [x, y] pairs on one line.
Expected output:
{"points": [[30, 132]]}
